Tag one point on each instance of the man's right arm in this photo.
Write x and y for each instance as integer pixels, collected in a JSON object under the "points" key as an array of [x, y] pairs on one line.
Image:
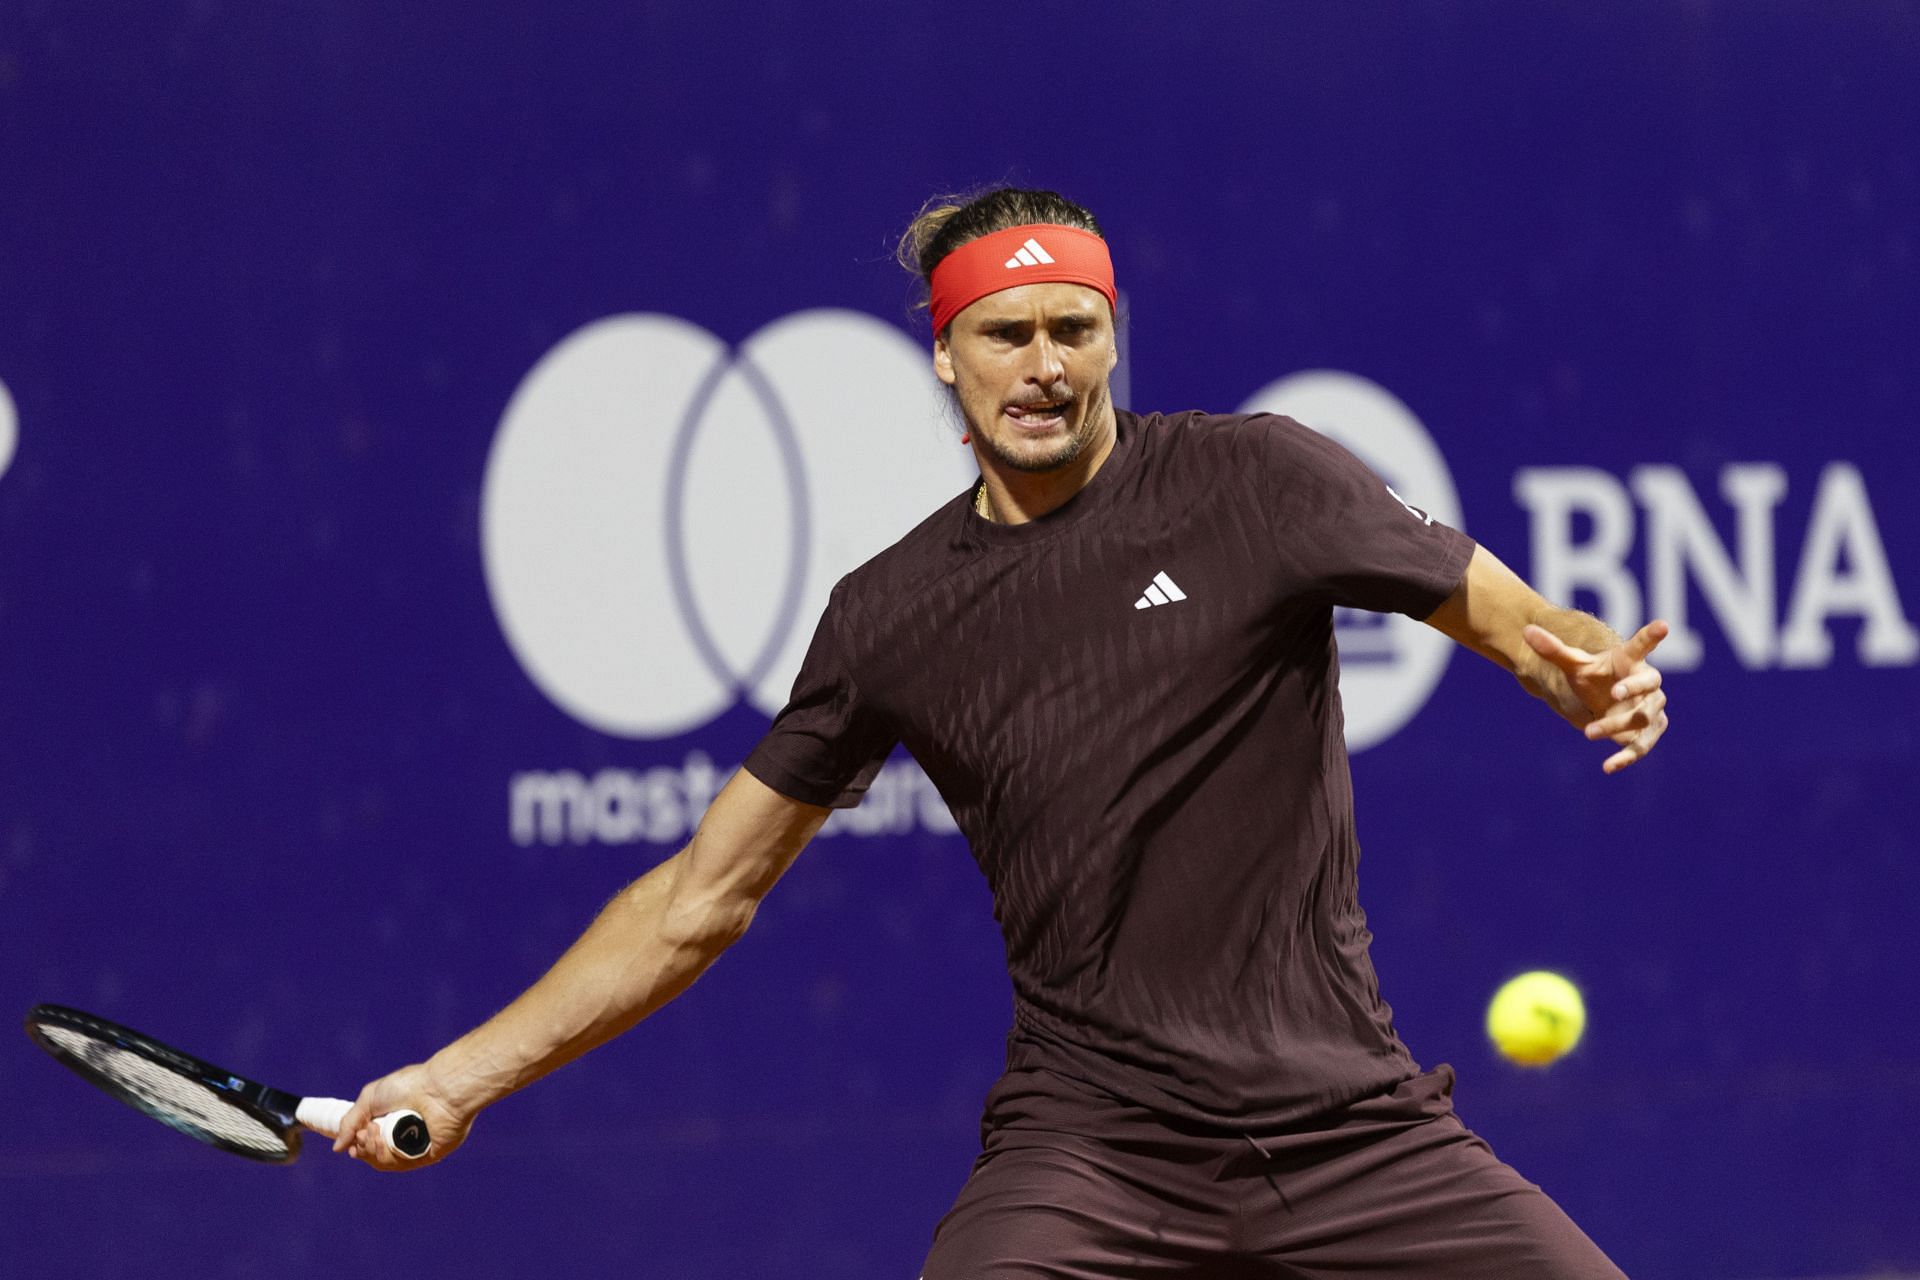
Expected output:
{"points": [[645, 947]]}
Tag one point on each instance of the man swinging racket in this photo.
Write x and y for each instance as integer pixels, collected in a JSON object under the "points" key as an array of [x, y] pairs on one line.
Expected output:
{"points": [[1202, 1078]]}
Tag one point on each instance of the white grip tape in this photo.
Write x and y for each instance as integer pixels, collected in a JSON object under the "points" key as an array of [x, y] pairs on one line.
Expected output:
{"points": [[323, 1115]]}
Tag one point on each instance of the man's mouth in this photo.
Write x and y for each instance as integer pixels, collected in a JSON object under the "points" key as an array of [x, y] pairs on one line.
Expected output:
{"points": [[1040, 415]]}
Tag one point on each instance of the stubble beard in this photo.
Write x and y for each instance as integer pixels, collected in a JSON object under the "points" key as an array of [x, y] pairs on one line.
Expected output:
{"points": [[1062, 454]]}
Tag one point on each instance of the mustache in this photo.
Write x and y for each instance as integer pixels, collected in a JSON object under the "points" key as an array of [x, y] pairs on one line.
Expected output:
{"points": [[1062, 397]]}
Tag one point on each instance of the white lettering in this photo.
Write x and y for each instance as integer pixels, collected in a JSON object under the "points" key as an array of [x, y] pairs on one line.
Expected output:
{"points": [[663, 805], [668, 819], [1842, 524], [1843, 570], [547, 805], [614, 809], [1553, 495], [1681, 542]]}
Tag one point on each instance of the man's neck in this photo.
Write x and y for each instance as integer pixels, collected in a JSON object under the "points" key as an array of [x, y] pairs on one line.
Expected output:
{"points": [[1016, 497]]}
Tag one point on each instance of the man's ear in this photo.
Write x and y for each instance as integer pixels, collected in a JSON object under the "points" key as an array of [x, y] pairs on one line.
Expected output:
{"points": [[942, 360]]}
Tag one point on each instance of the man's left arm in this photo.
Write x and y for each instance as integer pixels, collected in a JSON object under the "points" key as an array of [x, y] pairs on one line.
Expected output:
{"points": [[1572, 661]]}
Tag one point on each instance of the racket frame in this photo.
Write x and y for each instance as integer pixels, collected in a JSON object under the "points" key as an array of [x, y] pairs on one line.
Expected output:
{"points": [[275, 1108]]}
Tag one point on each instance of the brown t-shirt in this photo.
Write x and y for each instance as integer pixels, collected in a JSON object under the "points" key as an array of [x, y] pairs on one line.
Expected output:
{"points": [[1131, 707]]}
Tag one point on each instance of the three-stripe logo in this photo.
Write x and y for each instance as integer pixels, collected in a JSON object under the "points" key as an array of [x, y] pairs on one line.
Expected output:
{"points": [[1160, 591], [1029, 254]]}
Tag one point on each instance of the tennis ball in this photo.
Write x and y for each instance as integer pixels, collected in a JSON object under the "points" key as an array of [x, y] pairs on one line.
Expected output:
{"points": [[1536, 1017]]}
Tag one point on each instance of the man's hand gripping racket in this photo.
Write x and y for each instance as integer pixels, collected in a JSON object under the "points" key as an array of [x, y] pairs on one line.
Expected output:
{"points": [[361, 1129]]}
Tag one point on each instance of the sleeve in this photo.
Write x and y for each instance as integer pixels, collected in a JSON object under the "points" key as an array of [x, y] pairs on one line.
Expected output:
{"points": [[1345, 530], [827, 744]]}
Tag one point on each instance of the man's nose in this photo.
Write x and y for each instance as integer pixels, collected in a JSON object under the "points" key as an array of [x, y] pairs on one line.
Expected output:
{"points": [[1049, 364]]}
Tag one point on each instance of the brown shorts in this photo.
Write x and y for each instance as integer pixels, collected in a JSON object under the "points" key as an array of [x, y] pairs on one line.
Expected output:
{"points": [[1075, 1185]]}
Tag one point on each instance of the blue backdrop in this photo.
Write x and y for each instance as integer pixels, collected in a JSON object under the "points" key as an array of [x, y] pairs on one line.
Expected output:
{"points": [[326, 727]]}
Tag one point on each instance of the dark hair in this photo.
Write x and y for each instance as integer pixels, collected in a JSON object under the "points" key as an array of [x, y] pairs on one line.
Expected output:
{"points": [[945, 223]]}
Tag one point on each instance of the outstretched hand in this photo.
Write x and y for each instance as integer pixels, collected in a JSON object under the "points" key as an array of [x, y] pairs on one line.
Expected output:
{"points": [[1618, 688]]}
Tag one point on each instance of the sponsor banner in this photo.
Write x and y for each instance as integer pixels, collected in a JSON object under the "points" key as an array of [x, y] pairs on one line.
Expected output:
{"points": [[426, 446], [664, 518]]}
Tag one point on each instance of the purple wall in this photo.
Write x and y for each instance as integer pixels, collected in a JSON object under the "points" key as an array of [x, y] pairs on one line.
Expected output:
{"points": [[312, 754]]}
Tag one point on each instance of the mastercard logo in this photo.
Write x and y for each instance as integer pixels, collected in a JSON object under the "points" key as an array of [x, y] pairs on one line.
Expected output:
{"points": [[664, 516]]}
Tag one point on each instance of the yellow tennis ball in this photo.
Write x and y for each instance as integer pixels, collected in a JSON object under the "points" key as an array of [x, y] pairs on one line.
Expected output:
{"points": [[1536, 1017]]}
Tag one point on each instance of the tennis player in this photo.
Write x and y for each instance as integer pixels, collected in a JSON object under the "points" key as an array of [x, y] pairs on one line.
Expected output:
{"points": [[1115, 658]]}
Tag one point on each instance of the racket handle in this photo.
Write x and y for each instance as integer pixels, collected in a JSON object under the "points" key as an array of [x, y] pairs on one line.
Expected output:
{"points": [[405, 1131]]}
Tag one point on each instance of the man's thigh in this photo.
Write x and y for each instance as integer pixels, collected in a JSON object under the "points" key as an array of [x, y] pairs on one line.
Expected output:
{"points": [[1428, 1201], [1070, 1211], [1397, 1187]]}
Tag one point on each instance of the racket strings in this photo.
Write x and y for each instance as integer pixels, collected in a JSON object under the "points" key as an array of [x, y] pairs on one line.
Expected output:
{"points": [[186, 1104]]}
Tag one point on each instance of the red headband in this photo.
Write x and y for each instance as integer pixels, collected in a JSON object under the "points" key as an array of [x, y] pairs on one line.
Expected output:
{"points": [[1038, 254]]}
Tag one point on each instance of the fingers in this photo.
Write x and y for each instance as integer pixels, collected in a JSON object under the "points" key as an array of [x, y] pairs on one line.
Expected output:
{"points": [[1637, 685], [1635, 726], [351, 1124], [360, 1134], [1628, 719], [1631, 710], [1638, 746], [1642, 642], [370, 1146], [369, 1143], [363, 1137], [1554, 649]]}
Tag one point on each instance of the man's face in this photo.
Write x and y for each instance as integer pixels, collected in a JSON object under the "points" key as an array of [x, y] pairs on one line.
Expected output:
{"points": [[1029, 366]]}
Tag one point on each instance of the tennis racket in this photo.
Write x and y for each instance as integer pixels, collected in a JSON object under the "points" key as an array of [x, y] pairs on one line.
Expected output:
{"points": [[197, 1098]]}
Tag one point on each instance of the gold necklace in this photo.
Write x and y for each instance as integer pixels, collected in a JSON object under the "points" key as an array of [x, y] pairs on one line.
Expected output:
{"points": [[981, 507]]}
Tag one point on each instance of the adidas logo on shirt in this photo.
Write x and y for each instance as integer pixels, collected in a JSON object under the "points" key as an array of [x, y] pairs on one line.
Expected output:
{"points": [[1160, 591], [1030, 255]]}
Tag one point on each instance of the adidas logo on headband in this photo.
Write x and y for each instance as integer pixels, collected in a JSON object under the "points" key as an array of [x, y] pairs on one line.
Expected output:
{"points": [[1072, 255], [1030, 254]]}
